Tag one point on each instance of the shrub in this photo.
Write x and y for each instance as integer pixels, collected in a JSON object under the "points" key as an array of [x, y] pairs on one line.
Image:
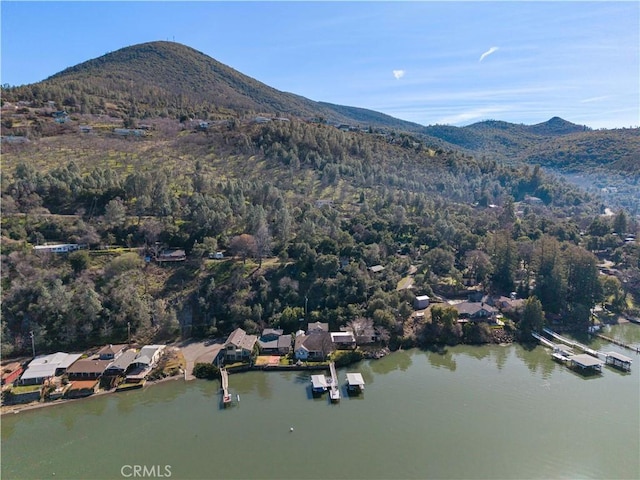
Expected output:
{"points": [[342, 358], [206, 370]]}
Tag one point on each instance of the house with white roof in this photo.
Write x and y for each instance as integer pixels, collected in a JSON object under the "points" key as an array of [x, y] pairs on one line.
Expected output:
{"points": [[148, 355], [46, 366]]}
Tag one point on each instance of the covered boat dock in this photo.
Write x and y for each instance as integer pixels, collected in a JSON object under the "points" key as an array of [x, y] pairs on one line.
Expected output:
{"points": [[355, 382], [618, 360], [319, 384], [586, 363]]}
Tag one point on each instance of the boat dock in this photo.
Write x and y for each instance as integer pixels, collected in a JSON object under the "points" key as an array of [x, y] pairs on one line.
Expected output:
{"points": [[224, 377], [592, 362], [334, 389], [355, 382], [319, 384], [586, 363], [618, 342], [618, 360], [571, 343]]}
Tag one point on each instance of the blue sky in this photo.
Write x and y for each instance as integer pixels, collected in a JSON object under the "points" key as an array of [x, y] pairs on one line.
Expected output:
{"points": [[427, 62]]}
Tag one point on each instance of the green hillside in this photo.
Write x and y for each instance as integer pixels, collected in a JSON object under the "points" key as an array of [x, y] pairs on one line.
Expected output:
{"points": [[301, 209]]}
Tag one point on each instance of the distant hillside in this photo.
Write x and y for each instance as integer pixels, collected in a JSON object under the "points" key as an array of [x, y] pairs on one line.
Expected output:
{"points": [[169, 79], [555, 143]]}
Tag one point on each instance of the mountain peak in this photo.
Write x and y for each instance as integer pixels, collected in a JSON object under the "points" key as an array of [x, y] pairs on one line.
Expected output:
{"points": [[556, 126]]}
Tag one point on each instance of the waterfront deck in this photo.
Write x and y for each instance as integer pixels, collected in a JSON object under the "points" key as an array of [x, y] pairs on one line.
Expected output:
{"points": [[334, 389]]}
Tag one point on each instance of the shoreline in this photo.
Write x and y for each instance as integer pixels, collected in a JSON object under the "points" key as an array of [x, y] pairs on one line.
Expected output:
{"points": [[18, 408]]}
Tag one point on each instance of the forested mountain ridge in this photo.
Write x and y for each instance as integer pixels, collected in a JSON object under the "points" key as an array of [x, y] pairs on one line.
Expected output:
{"points": [[301, 209], [555, 143], [167, 79]]}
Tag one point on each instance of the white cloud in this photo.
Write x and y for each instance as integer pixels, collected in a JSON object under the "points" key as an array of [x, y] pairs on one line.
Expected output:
{"points": [[487, 53], [475, 114], [398, 74], [595, 99]]}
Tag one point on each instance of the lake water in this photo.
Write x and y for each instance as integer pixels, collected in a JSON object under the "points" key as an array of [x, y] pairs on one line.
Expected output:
{"points": [[471, 412]]}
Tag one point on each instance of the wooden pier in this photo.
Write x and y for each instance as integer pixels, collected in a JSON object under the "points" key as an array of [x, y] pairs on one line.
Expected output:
{"points": [[334, 388], [618, 342], [543, 340], [571, 343], [226, 396]]}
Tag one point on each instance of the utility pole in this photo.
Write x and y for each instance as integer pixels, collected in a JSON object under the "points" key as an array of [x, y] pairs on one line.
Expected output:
{"points": [[33, 343], [129, 332]]}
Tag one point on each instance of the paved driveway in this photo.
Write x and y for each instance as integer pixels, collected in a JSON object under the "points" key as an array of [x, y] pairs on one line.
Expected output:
{"points": [[199, 351]]}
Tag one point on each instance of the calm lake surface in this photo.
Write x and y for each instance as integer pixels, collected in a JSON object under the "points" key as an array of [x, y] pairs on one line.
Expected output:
{"points": [[471, 412]]}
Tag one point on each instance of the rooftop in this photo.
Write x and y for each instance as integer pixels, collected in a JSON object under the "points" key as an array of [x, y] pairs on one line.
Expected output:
{"points": [[88, 366], [319, 381], [619, 357], [240, 339], [355, 379], [586, 361]]}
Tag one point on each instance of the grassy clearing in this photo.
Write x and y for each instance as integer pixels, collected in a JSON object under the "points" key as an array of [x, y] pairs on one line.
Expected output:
{"points": [[21, 389], [406, 282]]}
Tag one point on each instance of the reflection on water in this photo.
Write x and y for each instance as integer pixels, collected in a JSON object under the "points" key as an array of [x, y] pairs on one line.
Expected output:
{"points": [[400, 360]]}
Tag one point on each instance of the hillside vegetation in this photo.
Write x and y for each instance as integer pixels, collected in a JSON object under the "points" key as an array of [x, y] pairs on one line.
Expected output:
{"points": [[301, 210], [167, 79]]}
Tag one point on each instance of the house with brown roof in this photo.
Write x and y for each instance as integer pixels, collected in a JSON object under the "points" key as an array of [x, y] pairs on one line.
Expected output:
{"points": [[315, 346], [317, 327], [88, 369], [273, 341], [82, 388], [239, 345], [476, 312], [111, 352]]}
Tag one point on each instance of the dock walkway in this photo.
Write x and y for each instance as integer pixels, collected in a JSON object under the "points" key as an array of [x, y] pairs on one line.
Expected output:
{"points": [[224, 376], [573, 344], [618, 342], [334, 389]]}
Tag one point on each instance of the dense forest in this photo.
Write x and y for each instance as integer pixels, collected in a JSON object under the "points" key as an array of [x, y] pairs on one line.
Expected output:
{"points": [[301, 210]]}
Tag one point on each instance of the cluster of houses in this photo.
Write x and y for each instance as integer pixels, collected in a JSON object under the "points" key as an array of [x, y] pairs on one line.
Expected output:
{"points": [[478, 307], [75, 375], [313, 344]]}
